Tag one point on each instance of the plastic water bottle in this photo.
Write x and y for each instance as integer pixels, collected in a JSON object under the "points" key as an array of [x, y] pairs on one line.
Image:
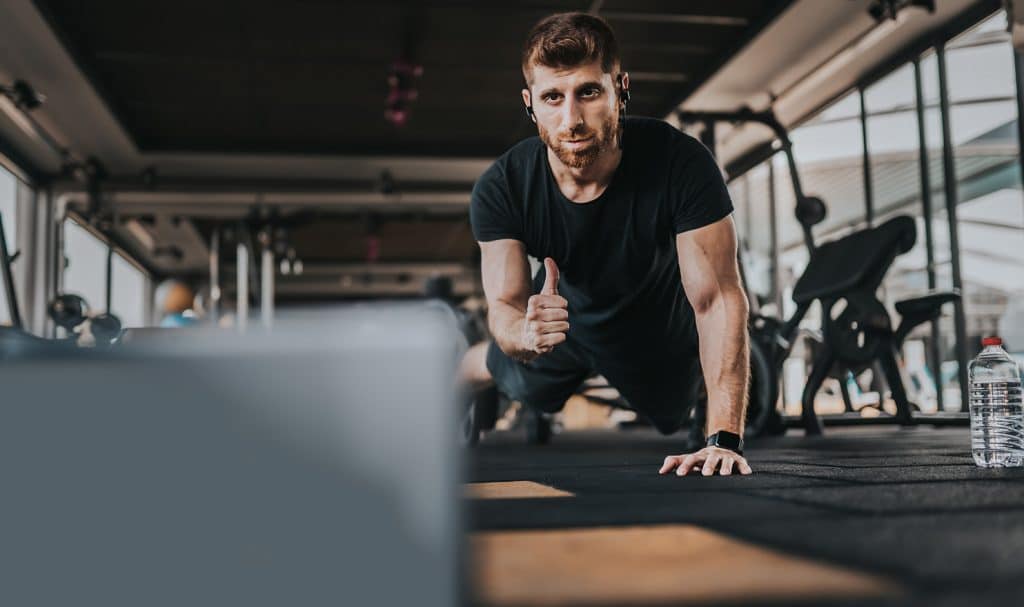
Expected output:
{"points": [[997, 416]]}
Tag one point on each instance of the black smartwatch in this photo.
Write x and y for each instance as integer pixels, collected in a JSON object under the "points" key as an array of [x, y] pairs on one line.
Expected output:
{"points": [[726, 440]]}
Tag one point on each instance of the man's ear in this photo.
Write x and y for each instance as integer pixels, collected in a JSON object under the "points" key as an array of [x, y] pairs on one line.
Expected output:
{"points": [[624, 86], [528, 102]]}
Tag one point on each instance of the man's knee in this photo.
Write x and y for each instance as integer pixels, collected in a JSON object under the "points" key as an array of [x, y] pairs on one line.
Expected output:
{"points": [[546, 406], [670, 425], [473, 369]]}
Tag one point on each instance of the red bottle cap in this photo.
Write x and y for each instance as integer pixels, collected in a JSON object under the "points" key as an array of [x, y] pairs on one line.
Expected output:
{"points": [[991, 341]]}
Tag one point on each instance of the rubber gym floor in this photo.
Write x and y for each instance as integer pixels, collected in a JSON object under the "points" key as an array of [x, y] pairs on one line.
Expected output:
{"points": [[861, 516]]}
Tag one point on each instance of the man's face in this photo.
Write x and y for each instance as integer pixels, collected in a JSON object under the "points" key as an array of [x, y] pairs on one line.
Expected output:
{"points": [[577, 111]]}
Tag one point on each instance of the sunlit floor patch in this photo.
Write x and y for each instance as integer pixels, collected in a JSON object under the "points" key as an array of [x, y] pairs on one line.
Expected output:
{"points": [[651, 564], [512, 490]]}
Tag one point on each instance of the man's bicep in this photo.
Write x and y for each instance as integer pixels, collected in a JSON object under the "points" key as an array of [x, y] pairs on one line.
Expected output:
{"points": [[707, 262], [506, 272]]}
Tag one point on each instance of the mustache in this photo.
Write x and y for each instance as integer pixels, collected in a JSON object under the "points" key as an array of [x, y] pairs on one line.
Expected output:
{"points": [[576, 133]]}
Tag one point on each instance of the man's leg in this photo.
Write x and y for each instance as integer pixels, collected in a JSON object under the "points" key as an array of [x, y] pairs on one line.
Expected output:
{"points": [[544, 384], [473, 373], [665, 391]]}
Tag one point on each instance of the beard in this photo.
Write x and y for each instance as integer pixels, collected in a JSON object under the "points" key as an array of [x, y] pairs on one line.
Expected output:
{"points": [[581, 158]]}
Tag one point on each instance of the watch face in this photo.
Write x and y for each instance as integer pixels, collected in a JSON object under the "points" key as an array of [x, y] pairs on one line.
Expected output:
{"points": [[727, 440]]}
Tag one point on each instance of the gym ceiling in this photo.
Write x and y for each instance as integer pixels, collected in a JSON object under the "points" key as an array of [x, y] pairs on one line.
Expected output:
{"points": [[311, 77], [211, 111]]}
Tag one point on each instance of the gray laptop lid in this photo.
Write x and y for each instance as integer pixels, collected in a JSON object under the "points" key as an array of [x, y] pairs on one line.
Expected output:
{"points": [[309, 466]]}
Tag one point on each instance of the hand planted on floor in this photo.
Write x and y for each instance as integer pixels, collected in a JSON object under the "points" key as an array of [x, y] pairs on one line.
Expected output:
{"points": [[706, 461]]}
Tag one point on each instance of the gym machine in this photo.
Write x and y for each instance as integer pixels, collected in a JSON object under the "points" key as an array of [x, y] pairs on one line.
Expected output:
{"points": [[843, 275], [67, 311]]}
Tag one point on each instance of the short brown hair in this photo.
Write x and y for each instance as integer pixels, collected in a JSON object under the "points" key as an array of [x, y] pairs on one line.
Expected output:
{"points": [[570, 39]]}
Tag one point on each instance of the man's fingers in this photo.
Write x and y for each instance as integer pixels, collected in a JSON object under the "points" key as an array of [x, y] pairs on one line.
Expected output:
{"points": [[713, 461], [670, 462], [550, 339], [537, 303], [537, 327], [553, 327], [688, 462], [550, 314], [547, 301], [710, 464]]}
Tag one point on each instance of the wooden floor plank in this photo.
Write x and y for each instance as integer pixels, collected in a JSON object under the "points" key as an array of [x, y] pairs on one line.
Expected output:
{"points": [[651, 564], [512, 490]]}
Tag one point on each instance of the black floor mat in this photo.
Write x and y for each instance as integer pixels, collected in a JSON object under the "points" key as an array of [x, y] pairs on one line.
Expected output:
{"points": [[907, 503]]}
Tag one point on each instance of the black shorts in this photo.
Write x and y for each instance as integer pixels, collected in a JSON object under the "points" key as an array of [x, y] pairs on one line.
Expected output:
{"points": [[665, 391]]}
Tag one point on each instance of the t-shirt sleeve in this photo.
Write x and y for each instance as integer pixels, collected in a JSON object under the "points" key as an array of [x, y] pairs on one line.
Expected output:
{"points": [[492, 212], [699, 194]]}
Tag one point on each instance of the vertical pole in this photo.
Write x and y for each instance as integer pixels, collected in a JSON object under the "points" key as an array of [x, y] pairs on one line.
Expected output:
{"points": [[59, 260], [1018, 71], [869, 194], [215, 292], [934, 352], [147, 302], [780, 308], [242, 290], [24, 272], [949, 170], [110, 275], [773, 220], [267, 287], [8, 278], [42, 262]]}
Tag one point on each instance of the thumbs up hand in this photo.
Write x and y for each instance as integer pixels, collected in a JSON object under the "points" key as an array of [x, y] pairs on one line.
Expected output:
{"points": [[547, 314]]}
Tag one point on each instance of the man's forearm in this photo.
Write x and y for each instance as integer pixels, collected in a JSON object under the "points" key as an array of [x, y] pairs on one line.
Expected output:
{"points": [[506, 324], [725, 358]]}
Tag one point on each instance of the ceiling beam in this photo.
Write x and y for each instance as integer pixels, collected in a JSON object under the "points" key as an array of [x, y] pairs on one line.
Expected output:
{"points": [[676, 18], [772, 11], [208, 185], [658, 77]]}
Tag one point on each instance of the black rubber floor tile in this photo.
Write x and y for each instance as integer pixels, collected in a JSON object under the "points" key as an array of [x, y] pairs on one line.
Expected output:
{"points": [[637, 509], [909, 504], [643, 479], [893, 460], [895, 474], [923, 497], [935, 553]]}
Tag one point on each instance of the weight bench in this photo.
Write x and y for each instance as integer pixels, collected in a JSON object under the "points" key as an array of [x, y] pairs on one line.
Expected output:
{"points": [[844, 275]]}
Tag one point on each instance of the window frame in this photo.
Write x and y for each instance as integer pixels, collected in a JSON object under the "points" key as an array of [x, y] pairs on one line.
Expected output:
{"points": [[932, 42], [112, 249]]}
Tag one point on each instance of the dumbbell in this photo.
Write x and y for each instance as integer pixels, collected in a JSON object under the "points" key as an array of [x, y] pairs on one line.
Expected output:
{"points": [[105, 328], [68, 311]]}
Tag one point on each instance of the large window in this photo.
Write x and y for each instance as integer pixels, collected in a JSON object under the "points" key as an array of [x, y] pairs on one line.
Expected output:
{"points": [[86, 275], [894, 152], [830, 154], [750, 196], [8, 211], [128, 293], [86, 270], [990, 211]]}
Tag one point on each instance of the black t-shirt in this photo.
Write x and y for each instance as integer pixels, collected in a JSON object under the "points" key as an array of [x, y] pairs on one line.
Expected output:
{"points": [[617, 253]]}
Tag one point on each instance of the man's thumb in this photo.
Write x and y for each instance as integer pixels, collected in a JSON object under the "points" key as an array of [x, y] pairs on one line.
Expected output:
{"points": [[550, 278]]}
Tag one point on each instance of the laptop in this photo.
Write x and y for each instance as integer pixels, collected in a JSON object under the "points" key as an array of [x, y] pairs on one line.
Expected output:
{"points": [[314, 464]]}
